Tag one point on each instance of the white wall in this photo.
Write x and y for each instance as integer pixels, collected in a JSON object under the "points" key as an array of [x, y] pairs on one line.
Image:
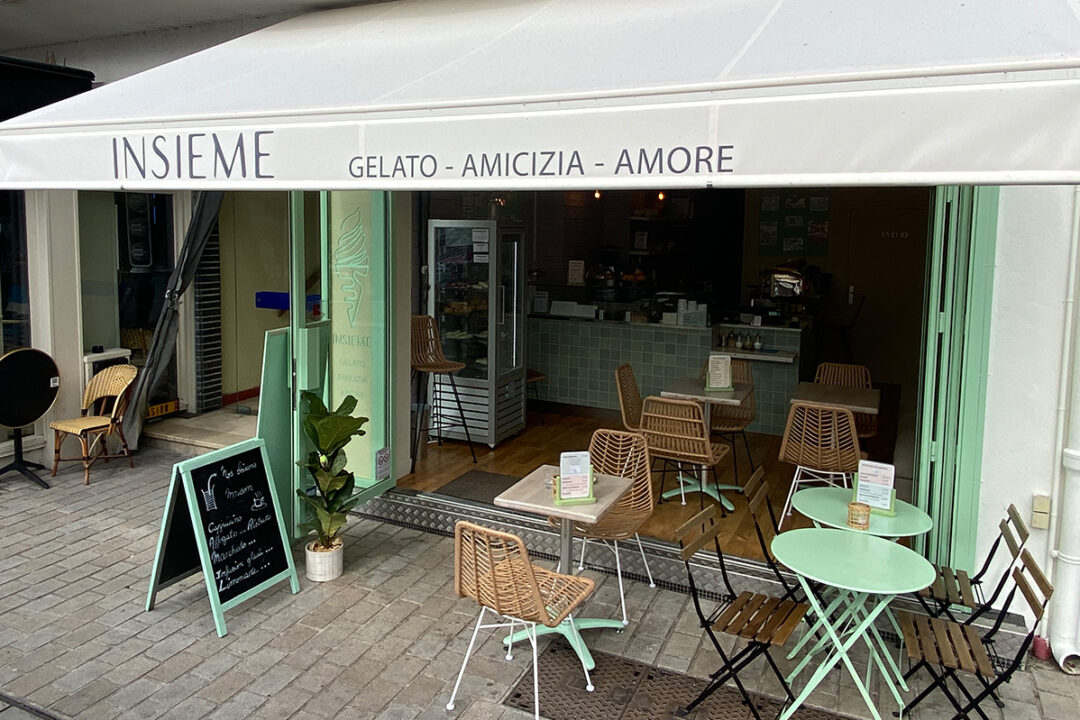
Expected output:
{"points": [[1026, 339]]}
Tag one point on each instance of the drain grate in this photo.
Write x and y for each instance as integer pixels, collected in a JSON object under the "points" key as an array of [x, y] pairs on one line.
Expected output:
{"points": [[629, 690]]}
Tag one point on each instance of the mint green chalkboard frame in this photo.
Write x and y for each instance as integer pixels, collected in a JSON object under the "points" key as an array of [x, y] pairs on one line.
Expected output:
{"points": [[181, 480]]}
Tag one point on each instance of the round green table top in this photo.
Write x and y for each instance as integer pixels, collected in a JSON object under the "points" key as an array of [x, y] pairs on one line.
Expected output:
{"points": [[853, 561], [828, 506]]}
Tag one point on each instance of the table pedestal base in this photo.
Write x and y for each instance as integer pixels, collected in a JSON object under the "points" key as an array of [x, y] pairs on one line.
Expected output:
{"points": [[572, 633], [692, 485]]}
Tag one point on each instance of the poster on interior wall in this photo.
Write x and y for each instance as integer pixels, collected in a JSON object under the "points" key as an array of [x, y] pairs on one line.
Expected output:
{"points": [[794, 222]]}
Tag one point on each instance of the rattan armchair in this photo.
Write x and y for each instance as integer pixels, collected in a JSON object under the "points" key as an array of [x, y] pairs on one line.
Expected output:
{"points": [[104, 402], [856, 376], [493, 568], [614, 452], [823, 444], [629, 397], [675, 431]]}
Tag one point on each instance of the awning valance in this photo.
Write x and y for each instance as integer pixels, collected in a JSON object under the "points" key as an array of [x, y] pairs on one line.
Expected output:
{"points": [[488, 94]]}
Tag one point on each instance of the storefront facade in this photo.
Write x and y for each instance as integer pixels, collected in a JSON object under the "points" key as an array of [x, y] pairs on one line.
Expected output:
{"points": [[461, 126]]}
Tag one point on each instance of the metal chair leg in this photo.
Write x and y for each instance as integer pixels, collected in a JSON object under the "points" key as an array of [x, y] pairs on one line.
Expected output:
{"points": [[461, 411]]}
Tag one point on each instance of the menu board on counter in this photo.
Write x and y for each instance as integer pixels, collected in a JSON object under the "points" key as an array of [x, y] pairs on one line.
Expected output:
{"points": [[222, 517], [874, 486]]}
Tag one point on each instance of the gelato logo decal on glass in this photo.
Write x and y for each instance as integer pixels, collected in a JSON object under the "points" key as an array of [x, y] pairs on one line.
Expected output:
{"points": [[351, 262]]}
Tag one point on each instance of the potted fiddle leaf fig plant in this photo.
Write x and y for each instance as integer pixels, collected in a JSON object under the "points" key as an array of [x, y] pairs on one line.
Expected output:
{"points": [[331, 496]]}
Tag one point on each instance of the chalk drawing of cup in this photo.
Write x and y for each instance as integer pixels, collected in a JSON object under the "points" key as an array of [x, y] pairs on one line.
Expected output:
{"points": [[259, 502], [208, 494]]}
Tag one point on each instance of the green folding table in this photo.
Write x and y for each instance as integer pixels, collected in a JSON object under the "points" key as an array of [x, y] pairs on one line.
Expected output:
{"points": [[867, 572]]}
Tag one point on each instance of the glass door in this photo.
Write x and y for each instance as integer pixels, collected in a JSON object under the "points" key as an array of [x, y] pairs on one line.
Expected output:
{"points": [[340, 275], [510, 317], [955, 352], [460, 299]]}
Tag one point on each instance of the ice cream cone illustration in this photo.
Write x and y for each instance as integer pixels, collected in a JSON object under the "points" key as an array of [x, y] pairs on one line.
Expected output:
{"points": [[351, 263]]}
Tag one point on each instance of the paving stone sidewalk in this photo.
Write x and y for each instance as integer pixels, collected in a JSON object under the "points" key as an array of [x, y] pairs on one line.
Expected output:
{"points": [[384, 641]]}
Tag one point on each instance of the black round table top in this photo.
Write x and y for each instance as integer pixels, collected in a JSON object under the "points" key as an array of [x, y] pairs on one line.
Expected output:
{"points": [[29, 383]]}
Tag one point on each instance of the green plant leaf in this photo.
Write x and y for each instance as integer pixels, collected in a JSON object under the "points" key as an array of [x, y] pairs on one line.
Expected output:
{"points": [[330, 484], [347, 406], [339, 462], [336, 522], [311, 431], [335, 431], [316, 406]]}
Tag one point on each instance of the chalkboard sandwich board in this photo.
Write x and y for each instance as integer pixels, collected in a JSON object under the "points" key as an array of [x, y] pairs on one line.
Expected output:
{"points": [[222, 517]]}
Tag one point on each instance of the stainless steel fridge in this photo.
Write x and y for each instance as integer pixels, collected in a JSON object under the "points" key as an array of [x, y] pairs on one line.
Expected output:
{"points": [[476, 297]]}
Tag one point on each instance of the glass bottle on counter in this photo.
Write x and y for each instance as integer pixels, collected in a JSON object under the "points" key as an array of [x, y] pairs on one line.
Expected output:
{"points": [[730, 341], [757, 342]]}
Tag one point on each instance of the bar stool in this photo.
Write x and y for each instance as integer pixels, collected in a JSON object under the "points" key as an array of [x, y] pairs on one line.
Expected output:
{"points": [[428, 357]]}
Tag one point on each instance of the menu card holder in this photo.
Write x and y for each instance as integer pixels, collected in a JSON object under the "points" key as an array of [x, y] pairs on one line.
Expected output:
{"points": [[574, 483], [718, 376], [874, 486]]}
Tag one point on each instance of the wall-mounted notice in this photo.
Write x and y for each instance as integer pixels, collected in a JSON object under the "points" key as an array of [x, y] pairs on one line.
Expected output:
{"points": [[575, 272], [875, 486], [222, 517]]}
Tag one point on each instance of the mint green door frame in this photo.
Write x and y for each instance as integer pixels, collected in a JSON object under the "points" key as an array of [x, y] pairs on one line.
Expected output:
{"points": [[313, 339], [956, 343]]}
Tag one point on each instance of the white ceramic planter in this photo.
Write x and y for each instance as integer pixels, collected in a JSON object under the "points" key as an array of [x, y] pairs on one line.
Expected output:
{"points": [[323, 566]]}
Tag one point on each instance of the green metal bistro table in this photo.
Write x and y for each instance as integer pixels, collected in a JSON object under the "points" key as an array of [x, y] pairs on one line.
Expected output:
{"points": [[691, 388], [828, 506], [533, 495], [867, 572]]}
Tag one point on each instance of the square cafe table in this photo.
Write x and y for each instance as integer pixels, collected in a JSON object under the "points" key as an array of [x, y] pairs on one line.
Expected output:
{"points": [[857, 400], [533, 495], [693, 388], [867, 572]]}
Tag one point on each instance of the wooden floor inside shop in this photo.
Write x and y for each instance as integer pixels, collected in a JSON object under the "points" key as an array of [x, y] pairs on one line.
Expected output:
{"points": [[541, 442]]}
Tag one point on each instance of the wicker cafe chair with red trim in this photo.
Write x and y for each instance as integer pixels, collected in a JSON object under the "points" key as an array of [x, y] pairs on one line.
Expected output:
{"points": [[493, 568], [943, 647], [763, 621], [104, 402]]}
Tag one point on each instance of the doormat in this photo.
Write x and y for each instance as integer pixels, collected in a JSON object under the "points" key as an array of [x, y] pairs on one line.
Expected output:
{"points": [[477, 486], [630, 690]]}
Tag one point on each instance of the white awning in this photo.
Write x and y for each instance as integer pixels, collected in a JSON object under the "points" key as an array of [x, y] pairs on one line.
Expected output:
{"points": [[511, 94]]}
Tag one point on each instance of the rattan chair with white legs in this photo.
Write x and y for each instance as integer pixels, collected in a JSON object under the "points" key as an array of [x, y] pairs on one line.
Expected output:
{"points": [[629, 397], [493, 568], [823, 444], [727, 421], [614, 452], [856, 376], [675, 431]]}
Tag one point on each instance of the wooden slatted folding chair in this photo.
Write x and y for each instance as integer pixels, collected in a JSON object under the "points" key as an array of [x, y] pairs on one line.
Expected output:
{"points": [[956, 587], [764, 621], [675, 431], [629, 397], [614, 452], [856, 376], [823, 443], [943, 647], [493, 568], [427, 357], [104, 402]]}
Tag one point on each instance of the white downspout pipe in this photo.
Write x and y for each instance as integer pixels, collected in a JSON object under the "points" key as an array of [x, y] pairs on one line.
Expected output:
{"points": [[1065, 500]]}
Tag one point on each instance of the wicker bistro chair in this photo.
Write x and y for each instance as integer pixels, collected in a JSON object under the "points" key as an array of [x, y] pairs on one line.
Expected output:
{"points": [[629, 397], [727, 421], [857, 376], [493, 568], [823, 444], [675, 432], [428, 357], [614, 452], [763, 621], [104, 402], [948, 646], [956, 587]]}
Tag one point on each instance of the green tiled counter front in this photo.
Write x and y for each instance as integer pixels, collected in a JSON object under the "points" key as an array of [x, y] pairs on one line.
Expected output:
{"points": [[579, 358]]}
